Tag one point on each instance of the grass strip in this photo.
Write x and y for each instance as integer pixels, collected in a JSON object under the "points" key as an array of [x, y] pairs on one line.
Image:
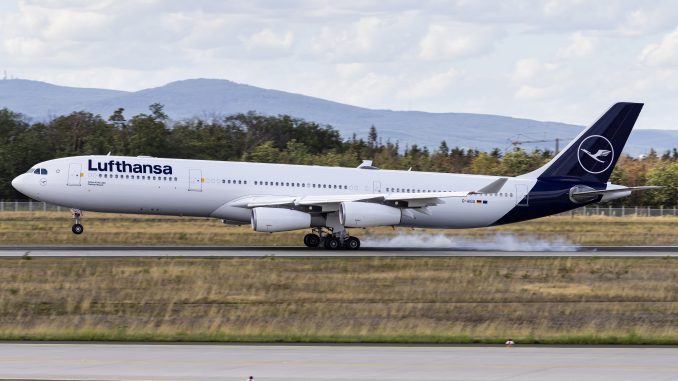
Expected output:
{"points": [[566, 300]]}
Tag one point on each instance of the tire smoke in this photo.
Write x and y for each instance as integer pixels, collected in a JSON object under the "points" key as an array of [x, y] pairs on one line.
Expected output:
{"points": [[498, 242]]}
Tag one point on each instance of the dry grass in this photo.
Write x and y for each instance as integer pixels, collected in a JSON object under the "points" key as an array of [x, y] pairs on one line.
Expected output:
{"points": [[568, 300], [32, 228]]}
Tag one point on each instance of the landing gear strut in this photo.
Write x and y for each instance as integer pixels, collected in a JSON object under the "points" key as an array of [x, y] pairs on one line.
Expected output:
{"points": [[331, 240], [77, 228]]}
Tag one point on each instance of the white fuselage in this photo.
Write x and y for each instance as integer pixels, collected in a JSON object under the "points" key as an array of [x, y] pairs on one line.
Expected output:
{"points": [[210, 188]]}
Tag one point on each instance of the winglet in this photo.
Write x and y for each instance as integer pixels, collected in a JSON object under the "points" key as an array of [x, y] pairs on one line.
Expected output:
{"points": [[493, 187]]}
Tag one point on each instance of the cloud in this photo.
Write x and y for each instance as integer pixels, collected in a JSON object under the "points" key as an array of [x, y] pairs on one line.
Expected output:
{"points": [[580, 46], [533, 70], [450, 42], [663, 53], [553, 59], [430, 86], [267, 44]]}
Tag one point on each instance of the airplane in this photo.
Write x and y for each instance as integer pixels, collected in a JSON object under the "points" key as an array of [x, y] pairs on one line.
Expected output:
{"points": [[331, 200]]}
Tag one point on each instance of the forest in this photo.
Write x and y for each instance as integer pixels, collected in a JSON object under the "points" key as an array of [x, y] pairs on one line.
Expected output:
{"points": [[282, 139]]}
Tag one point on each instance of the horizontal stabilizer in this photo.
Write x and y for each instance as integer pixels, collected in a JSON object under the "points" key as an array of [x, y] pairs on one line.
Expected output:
{"points": [[618, 190]]}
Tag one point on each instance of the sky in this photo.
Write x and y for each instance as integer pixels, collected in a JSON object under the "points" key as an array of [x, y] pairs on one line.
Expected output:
{"points": [[564, 61]]}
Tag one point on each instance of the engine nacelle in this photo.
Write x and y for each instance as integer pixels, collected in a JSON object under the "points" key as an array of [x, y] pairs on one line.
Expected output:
{"points": [[365, 214], [278, 220]]}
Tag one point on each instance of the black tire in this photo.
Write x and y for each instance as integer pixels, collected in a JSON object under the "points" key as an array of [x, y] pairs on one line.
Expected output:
{"points": [[352, 243], [332, 243], [77, 229], [311, 240]]}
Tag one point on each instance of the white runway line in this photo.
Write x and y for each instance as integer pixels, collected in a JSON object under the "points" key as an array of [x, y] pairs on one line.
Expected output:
{"points": [[132, 251]]}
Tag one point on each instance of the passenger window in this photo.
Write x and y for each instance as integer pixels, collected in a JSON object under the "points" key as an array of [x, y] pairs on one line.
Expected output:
{"points": [[239, 182]]}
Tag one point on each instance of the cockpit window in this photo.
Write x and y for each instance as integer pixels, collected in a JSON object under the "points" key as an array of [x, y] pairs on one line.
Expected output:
{"points": [[38, 171]]}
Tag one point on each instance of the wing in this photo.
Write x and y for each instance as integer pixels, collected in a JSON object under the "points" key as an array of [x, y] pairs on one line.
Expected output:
{"points": [[327, 203]]}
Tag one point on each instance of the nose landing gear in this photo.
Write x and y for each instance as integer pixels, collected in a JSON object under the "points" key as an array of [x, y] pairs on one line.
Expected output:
{"points": [[77, 228]]}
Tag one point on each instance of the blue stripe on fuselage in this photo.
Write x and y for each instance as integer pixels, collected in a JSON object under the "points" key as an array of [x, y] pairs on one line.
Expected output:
{"points": [[546, 198]]}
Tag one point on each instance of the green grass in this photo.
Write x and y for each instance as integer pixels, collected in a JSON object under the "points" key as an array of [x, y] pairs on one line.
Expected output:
{"points": [[373, 300]]}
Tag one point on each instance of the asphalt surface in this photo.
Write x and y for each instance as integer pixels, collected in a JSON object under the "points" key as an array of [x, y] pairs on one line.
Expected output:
{"points": [[221, 251], [24, 361]]}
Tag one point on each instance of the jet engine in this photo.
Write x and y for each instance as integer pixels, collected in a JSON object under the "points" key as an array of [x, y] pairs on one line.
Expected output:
{"points": [[278, 219], [364, 214]]}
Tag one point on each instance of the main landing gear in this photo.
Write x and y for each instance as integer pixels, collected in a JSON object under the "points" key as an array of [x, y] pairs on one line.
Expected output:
{"points": [[77, 227], [331, 241]]}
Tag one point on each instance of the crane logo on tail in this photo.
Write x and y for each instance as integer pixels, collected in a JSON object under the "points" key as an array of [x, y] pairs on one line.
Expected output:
{"points": [[595, 154]]}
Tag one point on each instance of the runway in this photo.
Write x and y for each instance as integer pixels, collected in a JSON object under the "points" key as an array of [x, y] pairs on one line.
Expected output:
{"points": [[232, 251], [29, 361]]}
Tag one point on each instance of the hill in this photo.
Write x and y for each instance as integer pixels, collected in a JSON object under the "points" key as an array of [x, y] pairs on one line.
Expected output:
{"points": [[210, 97]]}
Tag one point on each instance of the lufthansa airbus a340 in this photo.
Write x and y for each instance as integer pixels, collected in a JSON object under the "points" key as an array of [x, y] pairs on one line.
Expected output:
{"points": [[328, 200]]}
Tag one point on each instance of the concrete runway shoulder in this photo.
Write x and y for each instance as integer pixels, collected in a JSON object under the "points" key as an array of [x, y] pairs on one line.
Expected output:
{"points": [[101, 361], [233, 251]]}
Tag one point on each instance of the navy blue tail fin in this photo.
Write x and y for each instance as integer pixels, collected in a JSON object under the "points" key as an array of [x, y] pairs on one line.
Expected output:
{"points": [[591, 156]]}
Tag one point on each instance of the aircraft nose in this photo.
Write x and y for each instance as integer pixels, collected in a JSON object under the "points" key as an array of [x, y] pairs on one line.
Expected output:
{"points": [[18, 182]]}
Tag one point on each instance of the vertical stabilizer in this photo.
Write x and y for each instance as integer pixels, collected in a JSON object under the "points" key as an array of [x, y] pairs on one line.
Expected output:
{"points": [[591, 156]]}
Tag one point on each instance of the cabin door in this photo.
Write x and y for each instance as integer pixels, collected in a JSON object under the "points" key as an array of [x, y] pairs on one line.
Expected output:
{"points": [[74, 174], [522, 196]]}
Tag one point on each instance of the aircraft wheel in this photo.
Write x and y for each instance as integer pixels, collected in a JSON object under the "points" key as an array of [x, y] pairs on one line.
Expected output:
{"points": [[311, 240], [77, 229], [352, 243], [332, 243]]}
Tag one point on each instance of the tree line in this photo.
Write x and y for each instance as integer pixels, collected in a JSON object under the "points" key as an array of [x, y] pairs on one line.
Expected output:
{"points": [[282, 139]]}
